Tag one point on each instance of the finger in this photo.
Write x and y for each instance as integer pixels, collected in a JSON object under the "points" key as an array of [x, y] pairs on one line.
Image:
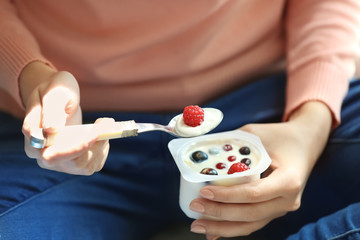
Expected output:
{"points": [[91, 162], [99, 150], [54, 113], [44, 164], [257, 191], [103, 156], [32, 120], [94, 156], [60, 102], [100, 153], [68, 148], [30, 151], [64, 167], [245, 212], [30, 124], [211, 237], [225, 228], [77, 143]]}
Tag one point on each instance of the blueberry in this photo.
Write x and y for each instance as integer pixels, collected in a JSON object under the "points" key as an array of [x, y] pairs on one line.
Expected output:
{"points": [[199, 156], [245, 150], [214, 151], [209, 171], [246, 161]]}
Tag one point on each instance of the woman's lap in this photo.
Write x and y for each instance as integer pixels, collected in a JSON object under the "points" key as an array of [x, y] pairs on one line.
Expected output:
{"points": [[136, 193], [341, 225], [126, 200]]}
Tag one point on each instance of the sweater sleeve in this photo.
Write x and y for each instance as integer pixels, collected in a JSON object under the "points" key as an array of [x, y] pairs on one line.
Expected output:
{"points": [[17, 48], [322, 44]]}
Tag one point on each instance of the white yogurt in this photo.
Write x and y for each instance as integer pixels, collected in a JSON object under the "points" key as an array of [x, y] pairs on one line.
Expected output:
{"points": [[216, 152], [212, 118]]}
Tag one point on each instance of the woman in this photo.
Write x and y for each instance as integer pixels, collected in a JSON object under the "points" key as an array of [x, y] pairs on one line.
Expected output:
{"points": [[146, 60]]}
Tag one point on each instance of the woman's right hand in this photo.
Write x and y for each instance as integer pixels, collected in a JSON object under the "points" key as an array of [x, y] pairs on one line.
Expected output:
{"points": [[52, 100]]}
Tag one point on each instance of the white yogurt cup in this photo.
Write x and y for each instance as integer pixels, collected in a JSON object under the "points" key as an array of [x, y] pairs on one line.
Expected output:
{"points": [[191, 180]]}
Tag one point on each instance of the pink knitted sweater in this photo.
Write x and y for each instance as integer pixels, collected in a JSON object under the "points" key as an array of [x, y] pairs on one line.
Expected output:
{"points": [[162, 55]]}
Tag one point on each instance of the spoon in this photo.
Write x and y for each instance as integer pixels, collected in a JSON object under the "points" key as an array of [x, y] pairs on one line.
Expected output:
{"points": [[122, 129]]}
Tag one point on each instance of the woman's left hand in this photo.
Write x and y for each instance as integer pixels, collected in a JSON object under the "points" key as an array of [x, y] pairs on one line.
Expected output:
{"points": [[294, 147]]}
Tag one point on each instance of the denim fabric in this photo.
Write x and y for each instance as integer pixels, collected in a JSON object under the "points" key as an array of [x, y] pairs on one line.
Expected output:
{"points": [[136, 194], [342, 225]]}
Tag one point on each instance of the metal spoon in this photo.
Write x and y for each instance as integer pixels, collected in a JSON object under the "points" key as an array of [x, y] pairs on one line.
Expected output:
{"points": [[123, 129]]}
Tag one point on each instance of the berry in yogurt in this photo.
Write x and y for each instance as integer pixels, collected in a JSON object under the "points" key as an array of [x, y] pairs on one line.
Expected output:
{"points": [[199, 156], [227, 147], [246, 161], [238, 167], [209, 171], [214, 151], [245, 150], [220, 165], [225, 156]]}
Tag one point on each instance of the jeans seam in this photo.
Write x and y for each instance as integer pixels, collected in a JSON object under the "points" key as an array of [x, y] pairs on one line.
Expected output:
{"points": [[356, 230], [18, 205]]}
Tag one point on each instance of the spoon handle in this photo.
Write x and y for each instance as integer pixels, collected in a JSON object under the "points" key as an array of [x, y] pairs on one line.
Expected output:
{"points": [[119, 129], [113, 130]]}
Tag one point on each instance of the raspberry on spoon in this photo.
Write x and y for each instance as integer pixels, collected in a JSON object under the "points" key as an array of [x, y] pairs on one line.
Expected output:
{"points": [[193, 115]]}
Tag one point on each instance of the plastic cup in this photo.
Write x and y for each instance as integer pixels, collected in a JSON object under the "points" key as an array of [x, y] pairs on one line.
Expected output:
{"points": [[191, 181]]}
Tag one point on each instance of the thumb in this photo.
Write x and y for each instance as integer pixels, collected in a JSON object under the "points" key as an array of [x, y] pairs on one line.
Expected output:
{"points": [[57, 106]]}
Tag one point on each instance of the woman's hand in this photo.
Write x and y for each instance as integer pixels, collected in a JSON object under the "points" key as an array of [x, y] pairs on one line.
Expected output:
{"points": [[294, 147], [52, 100]]}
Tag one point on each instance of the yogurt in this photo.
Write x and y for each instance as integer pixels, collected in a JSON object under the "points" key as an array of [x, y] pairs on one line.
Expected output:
{"points": [[225, 147], [216, 157], [212, 118]]}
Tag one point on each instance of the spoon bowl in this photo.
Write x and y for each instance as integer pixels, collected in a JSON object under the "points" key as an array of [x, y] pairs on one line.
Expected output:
{"points": [[178, 128]]}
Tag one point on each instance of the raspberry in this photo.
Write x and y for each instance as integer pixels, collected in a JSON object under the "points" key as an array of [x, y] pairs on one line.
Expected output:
{"points": [[193, 115], [238, 167]]}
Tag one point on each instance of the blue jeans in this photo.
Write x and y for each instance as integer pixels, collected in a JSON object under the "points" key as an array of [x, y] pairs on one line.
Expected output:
{"points": [[136, 194]]}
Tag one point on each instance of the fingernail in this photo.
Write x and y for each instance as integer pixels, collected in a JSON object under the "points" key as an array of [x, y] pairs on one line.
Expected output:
{"points": [[207, 194], [197, 207], [198, 229]]}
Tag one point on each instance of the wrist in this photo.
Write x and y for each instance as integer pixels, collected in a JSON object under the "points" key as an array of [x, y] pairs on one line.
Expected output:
{"points": [[32, 75], [313, 121], [313, 114]]}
